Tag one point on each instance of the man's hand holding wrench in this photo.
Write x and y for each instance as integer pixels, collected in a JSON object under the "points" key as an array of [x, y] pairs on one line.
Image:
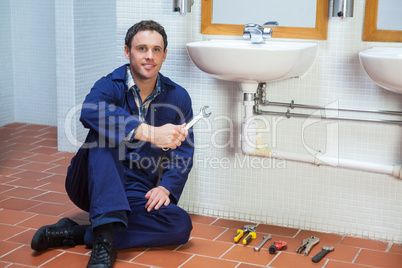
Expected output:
{"points": [[201, 114]]}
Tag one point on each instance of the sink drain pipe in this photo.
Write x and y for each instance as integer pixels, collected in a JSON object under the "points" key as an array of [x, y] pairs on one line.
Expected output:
{"points": [[252, 144]]}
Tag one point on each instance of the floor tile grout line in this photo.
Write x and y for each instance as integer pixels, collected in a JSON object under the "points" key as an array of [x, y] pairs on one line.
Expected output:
{"points": [[20, 233], [53, 258], [139, 255], [11, 251], [240, 262], [181, 265], [357, 255], [325, 264], [214, 221], [60, 215], [45, 192], [342, 238], [15, 187], [390, 244], [24, 220], [220, 257], [23, 187], [142, 264], [50, 175], [215, 239], [13, 179], [298, 232], [276, 256]]}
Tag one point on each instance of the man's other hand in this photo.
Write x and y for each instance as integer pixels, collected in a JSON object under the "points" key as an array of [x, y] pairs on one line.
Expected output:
{"points": [[157, 197]]}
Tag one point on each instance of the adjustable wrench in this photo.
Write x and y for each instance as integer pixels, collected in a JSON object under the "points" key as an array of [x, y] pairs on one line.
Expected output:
{"points": [[195, 119], [266, 238]]}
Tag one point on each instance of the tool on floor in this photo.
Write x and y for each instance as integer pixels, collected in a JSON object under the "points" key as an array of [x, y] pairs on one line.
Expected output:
{"points": [[195, 119], [249, 237], [264, 240], [322, 254], [278, 245], [307, 245], [250, 229]]}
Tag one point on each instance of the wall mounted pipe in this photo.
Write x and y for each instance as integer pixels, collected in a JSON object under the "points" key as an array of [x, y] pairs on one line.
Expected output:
{"points": [[251, 144], [320, 160], [288, 114], [261, 100], [292, 105]]}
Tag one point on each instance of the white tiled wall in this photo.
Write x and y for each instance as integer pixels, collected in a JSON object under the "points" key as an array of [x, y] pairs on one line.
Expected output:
{"points": [[226, 183], [34, 61], [6, 75], [85, 41]]}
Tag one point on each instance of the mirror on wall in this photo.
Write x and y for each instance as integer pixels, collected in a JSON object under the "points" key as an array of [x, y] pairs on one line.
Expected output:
{"points": [[382, 21], [297, 19]]}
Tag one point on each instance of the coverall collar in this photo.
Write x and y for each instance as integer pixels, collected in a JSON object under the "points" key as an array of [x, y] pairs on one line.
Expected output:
{"points": [[120, 74]]}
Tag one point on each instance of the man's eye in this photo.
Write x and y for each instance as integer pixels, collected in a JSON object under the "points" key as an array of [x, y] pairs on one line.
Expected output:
{"points": [[142, 48], [157, 49]]}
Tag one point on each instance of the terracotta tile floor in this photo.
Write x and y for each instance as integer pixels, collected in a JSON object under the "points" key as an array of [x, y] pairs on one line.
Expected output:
{"points": [[32, 194]]}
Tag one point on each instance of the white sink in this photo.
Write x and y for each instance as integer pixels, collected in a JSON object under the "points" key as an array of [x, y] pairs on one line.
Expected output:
{"points": [[384, 66], [241, 61]]}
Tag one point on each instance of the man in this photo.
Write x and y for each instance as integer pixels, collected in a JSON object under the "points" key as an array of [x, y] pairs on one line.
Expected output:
{"points": [[131, 114]]}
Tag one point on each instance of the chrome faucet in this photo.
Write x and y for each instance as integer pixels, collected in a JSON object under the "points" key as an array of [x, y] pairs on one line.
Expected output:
{"points": [[256, 33]]}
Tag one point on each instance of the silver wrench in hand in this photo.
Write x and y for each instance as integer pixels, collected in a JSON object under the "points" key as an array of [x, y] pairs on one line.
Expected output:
{"points": [[190, 124]]}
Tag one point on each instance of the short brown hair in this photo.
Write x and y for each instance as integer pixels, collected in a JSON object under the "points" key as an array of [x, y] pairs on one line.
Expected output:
{"points": [[145, 25]]}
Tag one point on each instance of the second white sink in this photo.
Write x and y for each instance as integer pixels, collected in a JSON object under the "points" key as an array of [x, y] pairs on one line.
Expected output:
{"points": [[383, 65], [241, 61]]}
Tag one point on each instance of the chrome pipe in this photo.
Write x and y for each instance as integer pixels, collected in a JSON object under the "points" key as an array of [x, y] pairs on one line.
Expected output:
{"points": [[289, 114], [316, 107]]}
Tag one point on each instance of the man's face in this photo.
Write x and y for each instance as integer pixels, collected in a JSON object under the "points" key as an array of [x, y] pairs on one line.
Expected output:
{"points": [[146, 55]]}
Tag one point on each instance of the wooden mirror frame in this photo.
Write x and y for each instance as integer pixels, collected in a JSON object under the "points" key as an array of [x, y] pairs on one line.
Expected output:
{"points": [[318, 33], [370, 31]]}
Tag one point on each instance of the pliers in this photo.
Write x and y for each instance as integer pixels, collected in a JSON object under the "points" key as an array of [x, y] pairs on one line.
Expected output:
{"points": [[307, 245], [250, 229]]}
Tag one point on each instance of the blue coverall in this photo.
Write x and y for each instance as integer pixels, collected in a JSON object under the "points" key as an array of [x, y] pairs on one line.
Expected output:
{"points": [[109, 177]]}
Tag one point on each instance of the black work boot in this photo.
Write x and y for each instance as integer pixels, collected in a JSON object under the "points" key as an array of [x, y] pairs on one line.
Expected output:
{"points": [[103, 253], [58, 234]]}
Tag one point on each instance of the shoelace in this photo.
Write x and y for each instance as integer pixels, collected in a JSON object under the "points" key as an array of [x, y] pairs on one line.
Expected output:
{"points": [[60, 235], [101, 252]]}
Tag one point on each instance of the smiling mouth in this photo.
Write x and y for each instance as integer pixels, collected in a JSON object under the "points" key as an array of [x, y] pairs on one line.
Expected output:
{"points": [[148, 66]]}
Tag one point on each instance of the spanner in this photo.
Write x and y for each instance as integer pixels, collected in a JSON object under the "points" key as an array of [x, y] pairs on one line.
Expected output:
{"points": [[200, 115], [266, 238], [322, 253]]}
